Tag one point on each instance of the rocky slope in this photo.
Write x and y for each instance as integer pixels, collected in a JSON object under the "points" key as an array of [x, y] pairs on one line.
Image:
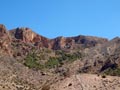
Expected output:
{"points": [[88, 82], [29, 61]]}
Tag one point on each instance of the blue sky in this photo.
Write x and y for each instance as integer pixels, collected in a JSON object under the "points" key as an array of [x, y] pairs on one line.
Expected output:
{"points": [[52, 18]]}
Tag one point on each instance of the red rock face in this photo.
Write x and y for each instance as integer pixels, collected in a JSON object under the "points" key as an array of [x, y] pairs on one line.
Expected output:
{"points": [[58, 43], [5, 41], [2, 30], [26, 35], [41, 41], [76, 42]]}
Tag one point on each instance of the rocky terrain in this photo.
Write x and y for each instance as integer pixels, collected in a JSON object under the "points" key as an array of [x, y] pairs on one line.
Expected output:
{"points": [[88, 82], [29, 61]]}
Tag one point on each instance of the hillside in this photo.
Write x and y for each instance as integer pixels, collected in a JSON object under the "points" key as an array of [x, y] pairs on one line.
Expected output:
{"points": [[29, 61]]}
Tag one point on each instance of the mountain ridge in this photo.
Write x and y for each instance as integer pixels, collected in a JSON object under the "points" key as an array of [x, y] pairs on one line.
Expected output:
{"points": [[29, 61], [27, 35]]}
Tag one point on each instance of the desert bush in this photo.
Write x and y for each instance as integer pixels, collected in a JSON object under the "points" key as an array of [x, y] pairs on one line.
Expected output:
{"points": [[52, 62], [113, 72], [48, 51], [71, 57], [59, 52], [41, 56], [31, 61]]}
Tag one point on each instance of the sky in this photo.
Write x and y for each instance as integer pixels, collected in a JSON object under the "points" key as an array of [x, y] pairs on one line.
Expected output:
{"points": [[52, 18]]}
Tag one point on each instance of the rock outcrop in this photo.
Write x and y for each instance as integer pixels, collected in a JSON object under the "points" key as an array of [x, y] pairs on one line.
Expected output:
{"points": [[26, 35], [5, 41], [76, 42]]}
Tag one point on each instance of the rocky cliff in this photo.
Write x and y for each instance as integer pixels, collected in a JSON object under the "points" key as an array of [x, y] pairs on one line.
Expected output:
{"points": [[5, 41]]}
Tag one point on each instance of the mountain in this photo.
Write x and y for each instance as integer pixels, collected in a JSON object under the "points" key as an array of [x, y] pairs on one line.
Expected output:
{"points": [[29, 61]]}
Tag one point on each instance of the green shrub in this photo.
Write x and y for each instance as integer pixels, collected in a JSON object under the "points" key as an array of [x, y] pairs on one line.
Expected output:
{"points": [[67, 57], [41, 56], [59, 52], [71, 57], [52, 62], [31, 61], [113, 72], [48, 51]]}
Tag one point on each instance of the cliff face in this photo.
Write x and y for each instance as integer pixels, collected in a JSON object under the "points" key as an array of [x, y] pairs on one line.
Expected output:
{"points": [[76, 42], [26, 35], [5, 41], [65, 43]]}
